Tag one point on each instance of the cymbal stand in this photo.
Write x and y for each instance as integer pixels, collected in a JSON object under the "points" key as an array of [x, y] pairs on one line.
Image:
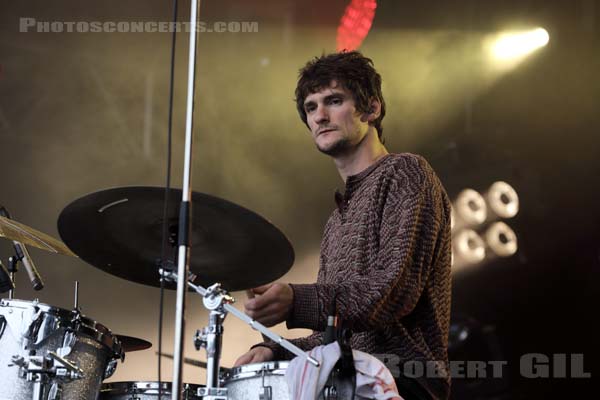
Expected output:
{"points": [[219, 302]]}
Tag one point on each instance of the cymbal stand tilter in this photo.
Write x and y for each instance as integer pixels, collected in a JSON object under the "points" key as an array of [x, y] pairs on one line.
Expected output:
{"points": [[219, 302]]}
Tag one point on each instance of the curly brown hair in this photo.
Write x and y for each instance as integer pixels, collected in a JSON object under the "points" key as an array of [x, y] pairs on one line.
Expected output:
{"points": [[353, 71]]}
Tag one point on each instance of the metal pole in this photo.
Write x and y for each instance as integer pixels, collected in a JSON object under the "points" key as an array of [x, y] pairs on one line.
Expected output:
{"points": [[185, 212], [11, 292], [76, 303], [213, 347]]}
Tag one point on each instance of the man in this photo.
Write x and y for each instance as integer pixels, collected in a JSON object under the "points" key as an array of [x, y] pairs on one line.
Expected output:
{"points": [[385, 253]]}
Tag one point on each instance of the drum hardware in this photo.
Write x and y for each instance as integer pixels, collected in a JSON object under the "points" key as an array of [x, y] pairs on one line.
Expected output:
{"points": [[266, 391], [42, 370], [76, 300], [263, 380], [110, 369], [219, 302], [145, 391], [6, 279], [47, 353]]}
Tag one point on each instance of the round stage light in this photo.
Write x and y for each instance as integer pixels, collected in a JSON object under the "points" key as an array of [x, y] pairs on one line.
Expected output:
{"points": [[503, 199], [469, 246], [501, 239], [471, 207]]}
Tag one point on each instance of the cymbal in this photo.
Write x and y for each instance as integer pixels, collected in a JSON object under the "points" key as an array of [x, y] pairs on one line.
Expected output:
{"points": [[14, 230], [130, 343], [119, 230]]}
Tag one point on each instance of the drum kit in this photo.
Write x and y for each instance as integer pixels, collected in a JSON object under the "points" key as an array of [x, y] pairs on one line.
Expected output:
{"points": [[51, 353]]}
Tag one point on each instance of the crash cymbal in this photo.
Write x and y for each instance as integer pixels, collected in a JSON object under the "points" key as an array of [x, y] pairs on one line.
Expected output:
{"points": [[14, 230], [119, 231], [130, 343]]}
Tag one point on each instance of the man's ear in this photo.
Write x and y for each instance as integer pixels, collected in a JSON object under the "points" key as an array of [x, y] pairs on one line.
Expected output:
{"points": [[373, 113]]}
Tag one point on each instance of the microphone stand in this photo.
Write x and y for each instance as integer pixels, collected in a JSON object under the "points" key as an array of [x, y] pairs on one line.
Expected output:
{"points": [[185, 211]]}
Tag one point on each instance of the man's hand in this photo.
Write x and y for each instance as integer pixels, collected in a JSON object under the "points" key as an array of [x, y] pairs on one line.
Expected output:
{"points": [[273, 305], [255, 355]]}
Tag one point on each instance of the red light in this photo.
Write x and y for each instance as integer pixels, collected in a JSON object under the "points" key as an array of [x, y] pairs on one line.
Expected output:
{"points": [[355, 24]]}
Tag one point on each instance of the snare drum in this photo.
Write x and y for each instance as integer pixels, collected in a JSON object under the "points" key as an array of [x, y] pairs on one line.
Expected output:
{"points": [[246, 382], [145, 391], [30, 332]]}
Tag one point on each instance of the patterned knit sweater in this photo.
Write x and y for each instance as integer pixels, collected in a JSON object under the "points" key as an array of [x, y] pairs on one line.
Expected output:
{"points": [[385, 256]]}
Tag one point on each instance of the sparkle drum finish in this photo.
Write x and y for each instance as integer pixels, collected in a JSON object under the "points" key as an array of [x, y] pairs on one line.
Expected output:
{"points": [[35, 337], [247, 382]]}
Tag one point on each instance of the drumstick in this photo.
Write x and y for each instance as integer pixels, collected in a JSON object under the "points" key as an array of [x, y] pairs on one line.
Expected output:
{"points": [[193, 362], [250, 295]]}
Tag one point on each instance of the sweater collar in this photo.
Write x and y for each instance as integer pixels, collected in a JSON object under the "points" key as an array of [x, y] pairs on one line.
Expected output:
{"points": [[354, 181]]}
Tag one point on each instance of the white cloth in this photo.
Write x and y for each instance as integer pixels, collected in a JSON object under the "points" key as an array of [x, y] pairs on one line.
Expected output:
{"points": [[373, 379]]}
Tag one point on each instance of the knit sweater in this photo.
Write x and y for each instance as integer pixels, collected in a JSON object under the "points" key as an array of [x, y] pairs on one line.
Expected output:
{"points": [[385, 256]]}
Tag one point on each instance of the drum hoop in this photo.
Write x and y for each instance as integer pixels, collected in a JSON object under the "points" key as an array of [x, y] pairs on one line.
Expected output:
{"points": [[141, 387], [256, 369], [83, 325]]}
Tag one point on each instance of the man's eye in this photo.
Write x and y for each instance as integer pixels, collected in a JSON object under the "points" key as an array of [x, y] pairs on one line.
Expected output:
{"points": [[309, 109], [336, 101]]}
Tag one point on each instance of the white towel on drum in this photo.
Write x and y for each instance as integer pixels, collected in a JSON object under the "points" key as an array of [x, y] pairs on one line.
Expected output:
{"points": [[373, 379]]}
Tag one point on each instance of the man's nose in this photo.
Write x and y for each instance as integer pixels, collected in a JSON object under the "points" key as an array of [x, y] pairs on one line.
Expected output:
{"points": [[321, 115]]}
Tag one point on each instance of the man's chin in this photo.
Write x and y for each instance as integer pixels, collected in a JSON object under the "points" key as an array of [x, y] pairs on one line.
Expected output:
{"points": [[335, 149]]}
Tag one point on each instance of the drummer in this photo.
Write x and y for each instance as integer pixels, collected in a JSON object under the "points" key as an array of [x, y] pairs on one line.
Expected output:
{"points": [[385, 251]]}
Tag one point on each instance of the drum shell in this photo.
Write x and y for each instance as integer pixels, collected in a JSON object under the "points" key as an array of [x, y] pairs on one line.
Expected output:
{"points": [[245, 382], [134, 390], [30, 328]]}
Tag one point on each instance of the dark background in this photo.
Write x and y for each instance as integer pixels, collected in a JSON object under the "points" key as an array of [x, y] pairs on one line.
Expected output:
{"points": [[80, 112]]}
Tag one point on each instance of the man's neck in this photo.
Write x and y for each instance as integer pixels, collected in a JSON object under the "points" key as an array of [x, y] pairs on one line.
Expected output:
{"points": [[362, 157]]}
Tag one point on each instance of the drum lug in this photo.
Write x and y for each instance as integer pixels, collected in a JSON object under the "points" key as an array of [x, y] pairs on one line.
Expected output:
{"points": [[266, 393], [110, 368], [212, 393], [68, 341]]}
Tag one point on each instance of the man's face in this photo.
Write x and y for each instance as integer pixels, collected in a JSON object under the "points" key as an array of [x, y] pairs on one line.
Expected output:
{"points": [[334, 122]]}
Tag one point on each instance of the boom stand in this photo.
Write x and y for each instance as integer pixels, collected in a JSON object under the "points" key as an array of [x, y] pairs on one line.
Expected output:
{"points": [[185, 211], [218, 301]]}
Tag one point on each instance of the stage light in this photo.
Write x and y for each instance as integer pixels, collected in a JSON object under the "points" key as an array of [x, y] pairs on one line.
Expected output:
{"points": [[469, 246], [355, 24], [510, 46], [470, 207], [503, 199], [501, 239]]}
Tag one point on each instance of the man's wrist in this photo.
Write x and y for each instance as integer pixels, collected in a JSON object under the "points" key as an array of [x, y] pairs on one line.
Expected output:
{"points": [[305, 307]]}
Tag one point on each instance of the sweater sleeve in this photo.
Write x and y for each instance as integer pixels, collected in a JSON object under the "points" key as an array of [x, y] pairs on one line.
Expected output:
{"points": [[412, 218]]}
